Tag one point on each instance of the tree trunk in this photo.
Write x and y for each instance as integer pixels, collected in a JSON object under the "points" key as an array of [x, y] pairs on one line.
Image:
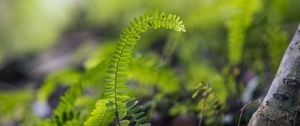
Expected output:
{"points": [[280, 107]]}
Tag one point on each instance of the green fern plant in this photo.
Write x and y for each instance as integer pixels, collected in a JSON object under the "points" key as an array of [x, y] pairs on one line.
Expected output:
{"points": [[237, 25], [101, 115], [116, 88], [115, 103], [64, 114], [67, 101], [135, 111], [203, 96], [276, 42]]}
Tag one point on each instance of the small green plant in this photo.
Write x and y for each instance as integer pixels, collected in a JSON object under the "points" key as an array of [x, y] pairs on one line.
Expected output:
{"points": [[237, 25], [116, 89], [115, 103], [206, 104]]}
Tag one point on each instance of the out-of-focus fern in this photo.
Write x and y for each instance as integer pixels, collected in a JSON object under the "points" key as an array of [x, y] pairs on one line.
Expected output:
{"points": [[203, 103], [276, 41], [67, 101], [147, 71], [206, 73], [237, 24], [67, 119], [64, 114], [135, 111], [116, 88], [207, 103]]}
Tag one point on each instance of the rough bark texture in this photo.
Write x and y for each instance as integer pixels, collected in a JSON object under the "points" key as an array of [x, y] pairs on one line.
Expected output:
{"points": [[280, 107]]}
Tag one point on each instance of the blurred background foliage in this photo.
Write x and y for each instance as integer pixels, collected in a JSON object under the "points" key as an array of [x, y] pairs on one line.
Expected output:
{"points": [[235, 45]]}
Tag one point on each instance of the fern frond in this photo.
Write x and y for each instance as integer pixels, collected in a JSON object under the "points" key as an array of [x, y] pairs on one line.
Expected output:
{"points": [[276, 41], [136, 113], [64, 119], [67, 119], [237, 24], [116, 88], [67, 101], [63, 114], [101, 116], [204, 95]]}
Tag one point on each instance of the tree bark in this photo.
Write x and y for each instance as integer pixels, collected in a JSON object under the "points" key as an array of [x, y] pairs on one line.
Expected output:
{"points": [[280, 107]]}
